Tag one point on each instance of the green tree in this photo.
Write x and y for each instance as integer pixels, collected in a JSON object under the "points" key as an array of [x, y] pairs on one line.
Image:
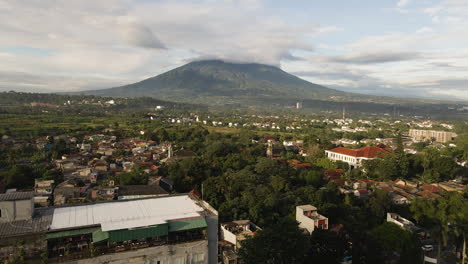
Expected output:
{"points": [[326, 247], [283, 243], [326, 164], [393, 239]]}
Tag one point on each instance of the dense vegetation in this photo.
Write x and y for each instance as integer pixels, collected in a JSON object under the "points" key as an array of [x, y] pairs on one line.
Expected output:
{"points": [[233, 175]]}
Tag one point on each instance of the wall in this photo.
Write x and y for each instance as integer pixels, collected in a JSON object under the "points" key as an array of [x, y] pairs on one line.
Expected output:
{"points": [[304, 221], [8, 211], [16, 210], [24, 209], [187, 253], [228, 236]]}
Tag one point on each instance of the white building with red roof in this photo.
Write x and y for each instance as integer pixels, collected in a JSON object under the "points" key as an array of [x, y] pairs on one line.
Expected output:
{"points": [[354, 157]]}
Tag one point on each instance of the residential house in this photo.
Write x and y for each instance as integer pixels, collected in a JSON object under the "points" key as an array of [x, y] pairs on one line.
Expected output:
{"points": [[231, 234], [309, 219]]}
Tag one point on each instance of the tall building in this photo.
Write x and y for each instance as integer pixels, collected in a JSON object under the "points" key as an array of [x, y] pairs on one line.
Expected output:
{"points": [[436, 135], [169, 229], [298, 105]]}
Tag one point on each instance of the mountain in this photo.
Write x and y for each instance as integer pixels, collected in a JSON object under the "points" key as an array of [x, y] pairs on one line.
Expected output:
{"points": [[218, 82]]}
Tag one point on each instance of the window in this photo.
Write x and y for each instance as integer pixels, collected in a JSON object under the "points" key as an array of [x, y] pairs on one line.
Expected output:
{"points": [[198, 257], [0, 213], [179, 260]]}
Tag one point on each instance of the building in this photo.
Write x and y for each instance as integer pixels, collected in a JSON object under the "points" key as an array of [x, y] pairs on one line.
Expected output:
{"points": [[231, 234], [354, 157], [309, 218], [299, 105], [16, 206], [402, 222], [170, 229], [433, 135], [43, 191]]}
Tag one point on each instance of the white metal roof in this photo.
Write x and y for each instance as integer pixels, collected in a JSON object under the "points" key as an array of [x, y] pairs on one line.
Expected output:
{"points": [[126, 214]]}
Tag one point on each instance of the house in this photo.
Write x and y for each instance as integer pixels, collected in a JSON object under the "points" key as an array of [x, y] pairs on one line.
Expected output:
{"points": [[104, 193], [66, 194], [354, 157], [333, 174], [309, 219], [231, 234], [402, 222], [43, 187], [236, 231], [43, 191], [398, 199]]}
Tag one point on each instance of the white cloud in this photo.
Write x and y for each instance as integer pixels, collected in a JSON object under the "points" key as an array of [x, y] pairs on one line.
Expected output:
{"points": [[103, 43], [403, 3]]}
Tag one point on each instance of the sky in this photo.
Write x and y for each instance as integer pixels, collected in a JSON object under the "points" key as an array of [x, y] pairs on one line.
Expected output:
{"points": [[409, 48]]}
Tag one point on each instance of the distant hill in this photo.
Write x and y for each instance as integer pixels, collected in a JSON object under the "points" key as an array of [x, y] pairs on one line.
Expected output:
{"points": [[218, 82]]}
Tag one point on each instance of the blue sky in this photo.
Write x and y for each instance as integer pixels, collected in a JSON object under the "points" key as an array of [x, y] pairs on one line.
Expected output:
{"points": [[415, 48]]}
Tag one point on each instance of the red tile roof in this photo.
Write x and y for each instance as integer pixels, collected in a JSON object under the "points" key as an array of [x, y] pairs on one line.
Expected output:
{"points": [[364, 152]]}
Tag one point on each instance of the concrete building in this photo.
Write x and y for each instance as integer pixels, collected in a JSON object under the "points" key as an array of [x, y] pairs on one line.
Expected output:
{"points": [[170, 229], [16, 206], [309, 218], [402, 222], [354, 157], [436, 135], [231, 234]]}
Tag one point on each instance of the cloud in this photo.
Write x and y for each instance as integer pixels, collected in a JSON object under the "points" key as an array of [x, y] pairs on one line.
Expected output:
{"points": [[141, 36], [74, 44], [425, 30], [375, 57], [403, 3]]}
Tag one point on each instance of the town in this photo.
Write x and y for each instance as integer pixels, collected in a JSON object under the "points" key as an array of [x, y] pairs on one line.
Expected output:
{"points": [[206, 187]]}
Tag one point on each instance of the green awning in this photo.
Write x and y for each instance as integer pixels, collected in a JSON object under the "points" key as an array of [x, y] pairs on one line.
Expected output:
{"points": [[70, 233], [187, 224], [99, 236], [137, 233]]}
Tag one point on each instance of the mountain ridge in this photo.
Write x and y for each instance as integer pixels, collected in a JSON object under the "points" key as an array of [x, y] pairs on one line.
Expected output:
{"points": [[218, 82], [223, 81]]}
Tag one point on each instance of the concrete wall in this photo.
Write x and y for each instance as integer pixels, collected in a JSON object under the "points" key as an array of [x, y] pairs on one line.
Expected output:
{"points": [[228, 236], [304, 221], [183, 253], [16, 210]]}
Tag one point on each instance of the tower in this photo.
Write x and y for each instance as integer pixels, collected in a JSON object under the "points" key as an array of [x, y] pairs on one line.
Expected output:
{"points": [[270, 149], [169, 151], [344, 113]]}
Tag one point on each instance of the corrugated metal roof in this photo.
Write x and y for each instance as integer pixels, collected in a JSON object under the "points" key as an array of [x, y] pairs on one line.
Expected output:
{"points": [[125, 235], [13, 196], [119, 215], [99, 236], [75, 232], [39, 223], [187, 224]]}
